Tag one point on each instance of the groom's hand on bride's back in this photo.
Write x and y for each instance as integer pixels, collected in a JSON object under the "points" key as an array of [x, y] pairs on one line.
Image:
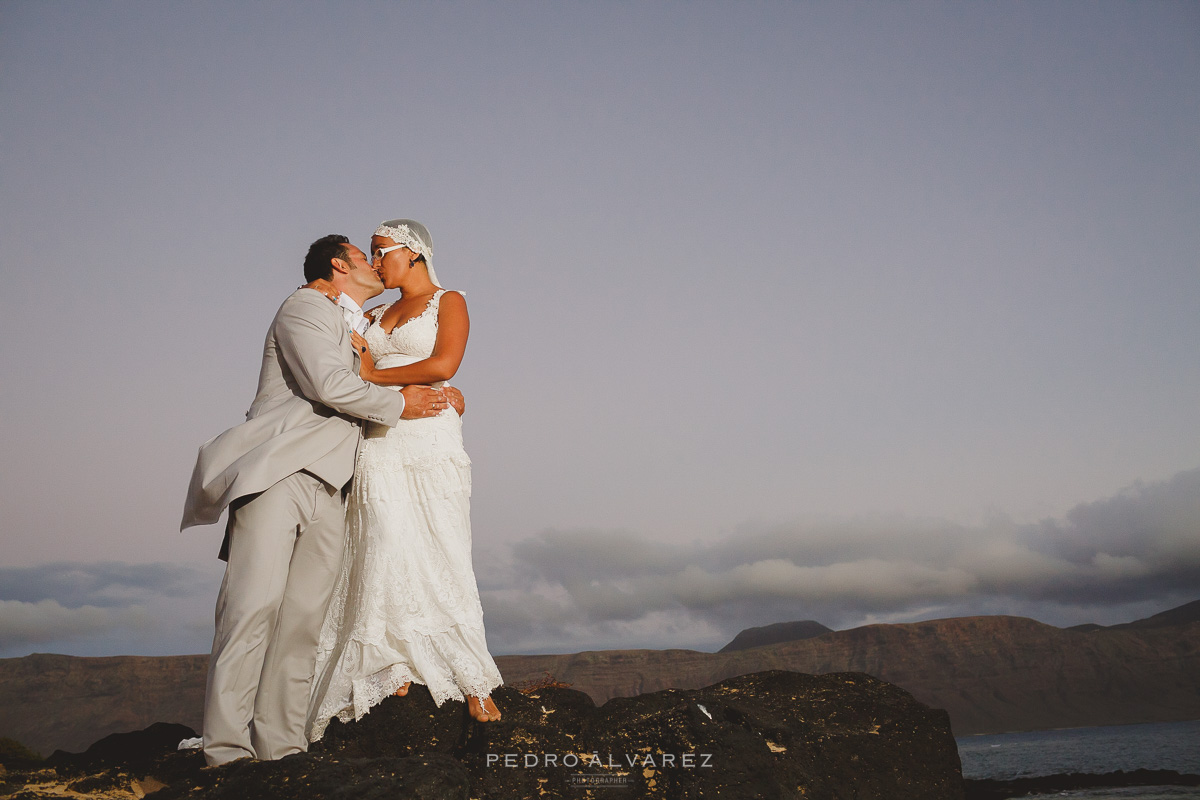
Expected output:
{"points": [[422, 401], [456, 399]]}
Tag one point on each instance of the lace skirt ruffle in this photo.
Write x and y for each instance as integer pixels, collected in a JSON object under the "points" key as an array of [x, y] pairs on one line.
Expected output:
{"points": [[452, 664], [406, 606]]}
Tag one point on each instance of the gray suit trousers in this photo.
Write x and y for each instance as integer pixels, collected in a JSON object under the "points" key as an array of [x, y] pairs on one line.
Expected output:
{"points": [[285, 553]]}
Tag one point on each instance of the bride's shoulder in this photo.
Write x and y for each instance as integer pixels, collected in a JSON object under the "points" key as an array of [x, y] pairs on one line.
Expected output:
{"points": [[451, 298]]}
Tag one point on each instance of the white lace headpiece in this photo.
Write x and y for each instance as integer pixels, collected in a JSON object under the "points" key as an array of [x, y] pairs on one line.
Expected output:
{"points": [[412, 235]]}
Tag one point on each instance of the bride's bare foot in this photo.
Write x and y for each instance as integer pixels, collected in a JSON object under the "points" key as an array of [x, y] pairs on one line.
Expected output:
{"points": [[403, 690], [485, 713]]}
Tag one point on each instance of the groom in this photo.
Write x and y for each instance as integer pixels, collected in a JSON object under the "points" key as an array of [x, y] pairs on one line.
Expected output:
{"points": [[282, 473]]}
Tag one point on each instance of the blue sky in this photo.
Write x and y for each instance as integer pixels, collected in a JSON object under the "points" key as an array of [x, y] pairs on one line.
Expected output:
{"points": [[846, 311]]}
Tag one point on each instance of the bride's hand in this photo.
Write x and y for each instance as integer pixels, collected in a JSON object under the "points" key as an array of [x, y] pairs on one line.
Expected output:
{"points": [[324, 287], [367, 365]]}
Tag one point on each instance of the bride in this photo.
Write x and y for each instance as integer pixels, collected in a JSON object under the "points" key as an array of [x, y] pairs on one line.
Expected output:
{"points": [[406, 606]]}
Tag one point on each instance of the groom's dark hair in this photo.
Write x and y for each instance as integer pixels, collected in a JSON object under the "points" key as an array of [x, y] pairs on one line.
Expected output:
{"points": [[321, 252]]}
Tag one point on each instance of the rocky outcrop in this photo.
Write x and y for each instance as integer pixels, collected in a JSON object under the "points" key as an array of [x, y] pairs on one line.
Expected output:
{"points": [[775, 634], [134, 749], [770, 735]]}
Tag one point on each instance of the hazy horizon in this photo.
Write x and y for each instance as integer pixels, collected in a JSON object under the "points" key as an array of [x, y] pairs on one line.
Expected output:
{"points": [[709, 649], [854, 312]]}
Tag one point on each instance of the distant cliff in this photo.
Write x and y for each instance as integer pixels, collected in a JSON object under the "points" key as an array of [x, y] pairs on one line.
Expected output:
{"points": [[52, 702], [990, 673]]}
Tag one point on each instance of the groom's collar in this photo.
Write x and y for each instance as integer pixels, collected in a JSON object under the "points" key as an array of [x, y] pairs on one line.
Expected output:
{"points": [[347, 302]]}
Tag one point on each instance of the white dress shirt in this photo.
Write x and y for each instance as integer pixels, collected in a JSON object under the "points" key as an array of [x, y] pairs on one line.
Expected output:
{"points": [[353, 313]]}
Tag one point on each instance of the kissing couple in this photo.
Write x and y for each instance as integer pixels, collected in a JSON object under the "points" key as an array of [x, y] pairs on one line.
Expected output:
{"points": [[348, 544]]}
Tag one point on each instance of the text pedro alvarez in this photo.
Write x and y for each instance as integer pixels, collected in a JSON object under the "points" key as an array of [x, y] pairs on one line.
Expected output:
{"points": [[689, 760]]}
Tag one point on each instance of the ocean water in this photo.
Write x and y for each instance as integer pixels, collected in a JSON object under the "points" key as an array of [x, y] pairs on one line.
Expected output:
{"points": [[1159, 745]]}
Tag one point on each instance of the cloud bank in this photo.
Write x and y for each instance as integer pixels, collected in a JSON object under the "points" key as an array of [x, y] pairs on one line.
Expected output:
{"points": [[1108, 561], [105, 583], [106, 608], [49, 621]]}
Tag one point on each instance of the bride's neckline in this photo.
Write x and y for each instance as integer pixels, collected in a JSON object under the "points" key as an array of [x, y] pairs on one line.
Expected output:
{"points": [[399, 325]]}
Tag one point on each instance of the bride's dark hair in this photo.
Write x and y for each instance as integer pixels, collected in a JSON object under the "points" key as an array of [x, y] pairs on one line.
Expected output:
{"points": [[321, 253]]}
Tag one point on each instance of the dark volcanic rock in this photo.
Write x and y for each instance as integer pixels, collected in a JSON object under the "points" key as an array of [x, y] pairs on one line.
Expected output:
{"points": [[763, 735], [136, 748], [785, 734], [769, 735], [774, 634], [305, 775]]}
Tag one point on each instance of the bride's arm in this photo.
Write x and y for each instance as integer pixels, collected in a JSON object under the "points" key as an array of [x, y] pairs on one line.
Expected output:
{"points": [[453, 327]]}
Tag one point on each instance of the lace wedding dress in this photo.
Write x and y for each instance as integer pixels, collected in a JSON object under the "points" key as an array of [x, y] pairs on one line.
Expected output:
{"points": [[406, 606]]}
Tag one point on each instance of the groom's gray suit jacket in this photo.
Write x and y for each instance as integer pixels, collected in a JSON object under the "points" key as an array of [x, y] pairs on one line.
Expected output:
{"points": [[302, 418]]}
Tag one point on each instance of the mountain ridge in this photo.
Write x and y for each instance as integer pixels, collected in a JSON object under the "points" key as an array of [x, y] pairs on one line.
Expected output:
{"points": [[776, 633], [990, 673]]}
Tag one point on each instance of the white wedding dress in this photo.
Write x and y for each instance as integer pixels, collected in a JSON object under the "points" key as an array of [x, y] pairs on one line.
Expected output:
{"points": [[406, 606]]}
